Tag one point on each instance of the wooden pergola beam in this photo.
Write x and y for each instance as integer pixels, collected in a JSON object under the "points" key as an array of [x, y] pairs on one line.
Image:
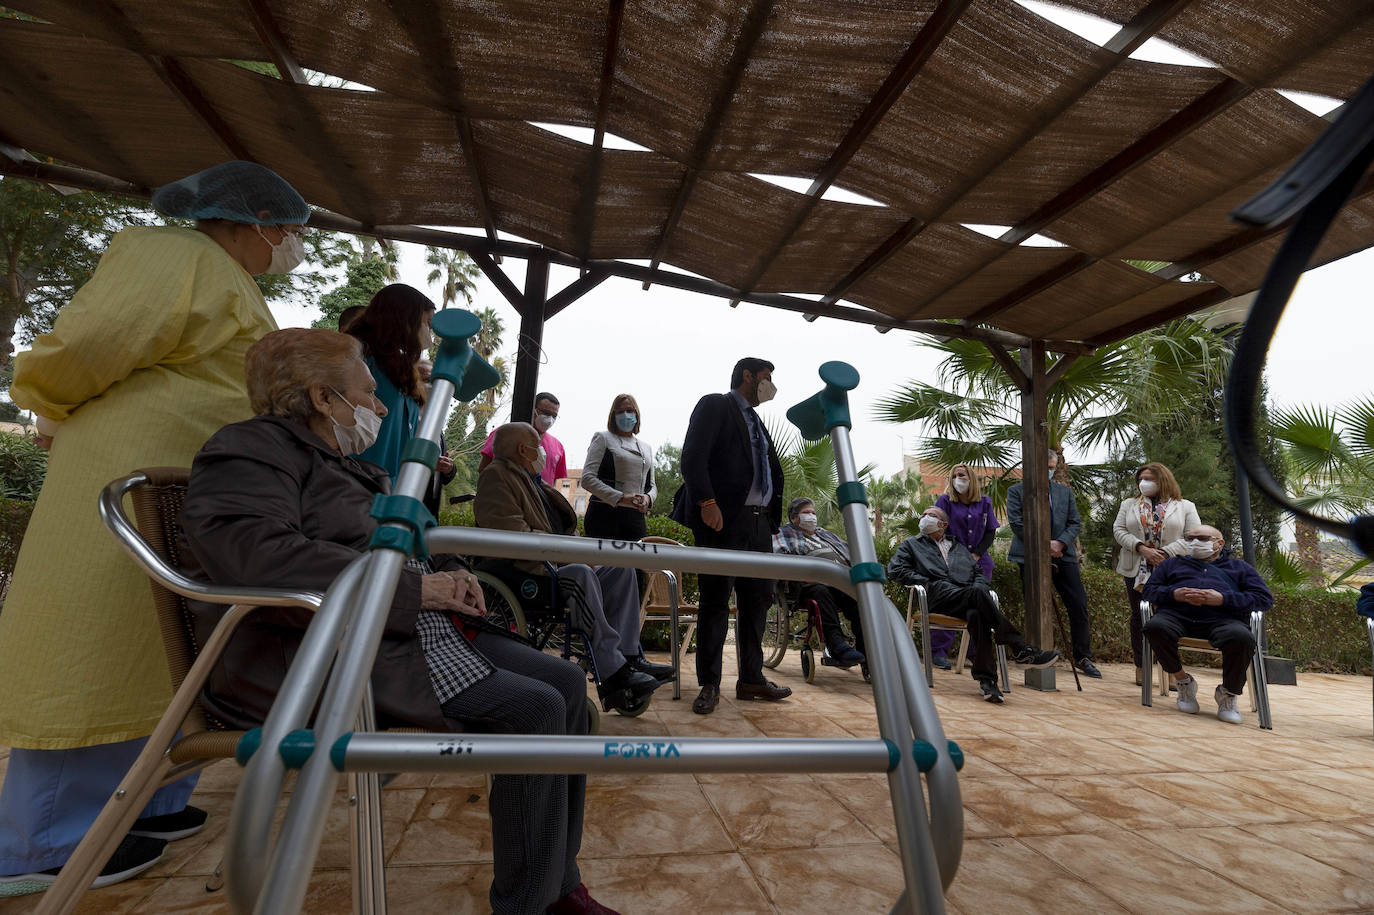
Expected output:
{"points": [[584, 218], [927, 39], [749, 36], [1113, 54], [1033, 287], [574, 291]]}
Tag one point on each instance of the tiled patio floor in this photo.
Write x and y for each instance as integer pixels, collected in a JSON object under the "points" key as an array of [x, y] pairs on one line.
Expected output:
{"points": [[1082, 802]]}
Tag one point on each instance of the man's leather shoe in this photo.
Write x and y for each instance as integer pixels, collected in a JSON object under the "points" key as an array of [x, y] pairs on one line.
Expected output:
{"points": [[658, 671], [706, 700], [1089, 669], [767, 690], [627, 678], [579, 902]]}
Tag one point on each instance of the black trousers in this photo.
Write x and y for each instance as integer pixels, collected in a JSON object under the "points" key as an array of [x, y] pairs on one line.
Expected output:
{"points": [[613, 522], [831, 604], [1232, 638], [987, 627], [753, 596], [1133, 598], [1069, 584]]}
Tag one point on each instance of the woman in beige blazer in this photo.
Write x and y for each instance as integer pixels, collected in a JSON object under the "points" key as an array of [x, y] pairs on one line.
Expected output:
{"points": [[1149, 528]]}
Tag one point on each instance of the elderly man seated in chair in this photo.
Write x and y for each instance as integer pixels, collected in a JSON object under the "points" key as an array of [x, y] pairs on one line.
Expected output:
{"points": [[1206, 594], [511, 496], [803, 536], [955, 586]]}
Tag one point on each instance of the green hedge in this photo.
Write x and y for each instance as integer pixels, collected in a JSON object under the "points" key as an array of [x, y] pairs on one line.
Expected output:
{"points": [[14, 520]]}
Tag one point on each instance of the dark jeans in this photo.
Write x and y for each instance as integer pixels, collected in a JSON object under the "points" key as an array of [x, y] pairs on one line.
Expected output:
{"points": [[987, 627], [1133, 598], [831, 604], [1069, 584], [1231, 637], [753, 596]]}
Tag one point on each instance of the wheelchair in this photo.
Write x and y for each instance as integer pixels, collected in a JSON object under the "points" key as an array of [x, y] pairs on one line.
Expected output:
{"points": [[529, 605], [796, 623]]}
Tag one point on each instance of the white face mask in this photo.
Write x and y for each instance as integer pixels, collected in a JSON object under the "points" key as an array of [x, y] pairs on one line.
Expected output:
{"points": [[540, 460], [288, 254], [767, 390], [1148, 487], [1201, 549], [929, 524], [543, 422], [360, 436], [807, 521], [960, 485]]}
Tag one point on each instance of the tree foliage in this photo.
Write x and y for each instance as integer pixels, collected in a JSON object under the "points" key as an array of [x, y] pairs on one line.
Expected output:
{"points": [[667, 477], [363, 277], [456, 273]]}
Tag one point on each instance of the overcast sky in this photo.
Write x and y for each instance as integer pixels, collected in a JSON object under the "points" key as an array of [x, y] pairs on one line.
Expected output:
{"points": [[667, 348]]}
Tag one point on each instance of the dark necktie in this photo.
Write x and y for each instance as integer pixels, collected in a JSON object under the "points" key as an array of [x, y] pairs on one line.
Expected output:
{"points": [[760, 449]]}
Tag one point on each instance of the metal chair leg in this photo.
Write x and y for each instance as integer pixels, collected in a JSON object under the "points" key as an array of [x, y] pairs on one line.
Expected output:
{"points": [[365, 827]]}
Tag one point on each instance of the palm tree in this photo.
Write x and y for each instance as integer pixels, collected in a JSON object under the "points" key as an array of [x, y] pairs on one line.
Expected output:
{"points": [[808, 470], [456, 271], [974, 417], [1330, 457]]}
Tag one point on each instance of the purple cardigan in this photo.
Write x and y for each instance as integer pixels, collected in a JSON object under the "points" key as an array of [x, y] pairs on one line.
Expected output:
{"points": [[973, 526]]}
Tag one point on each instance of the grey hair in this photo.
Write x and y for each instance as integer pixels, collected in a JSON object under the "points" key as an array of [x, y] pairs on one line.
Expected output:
{"points": [[795, 506]]}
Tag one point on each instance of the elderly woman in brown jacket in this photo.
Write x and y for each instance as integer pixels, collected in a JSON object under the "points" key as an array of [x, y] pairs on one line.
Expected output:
{"points": [[275, 501]]}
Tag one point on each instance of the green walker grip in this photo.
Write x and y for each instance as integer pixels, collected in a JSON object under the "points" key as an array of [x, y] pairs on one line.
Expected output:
{"points": [[828, 408], [456, 361]]}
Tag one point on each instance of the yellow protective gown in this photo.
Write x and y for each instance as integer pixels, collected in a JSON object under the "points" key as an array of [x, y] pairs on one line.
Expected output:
{"points": [[142, 366]]}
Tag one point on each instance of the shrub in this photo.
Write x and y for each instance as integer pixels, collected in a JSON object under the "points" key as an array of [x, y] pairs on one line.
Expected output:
{"points": [[14, 520], [23, 465]]}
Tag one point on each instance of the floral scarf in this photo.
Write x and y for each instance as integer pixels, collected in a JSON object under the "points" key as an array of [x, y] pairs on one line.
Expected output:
{"points": [[1152, 524]]}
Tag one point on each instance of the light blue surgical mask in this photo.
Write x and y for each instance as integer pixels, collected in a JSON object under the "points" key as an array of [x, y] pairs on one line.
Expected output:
{"points": [[626, 421], [1051, 476]]}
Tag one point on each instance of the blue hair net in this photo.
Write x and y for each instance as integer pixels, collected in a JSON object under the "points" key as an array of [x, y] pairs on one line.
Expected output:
{"points": [[237, 191]]}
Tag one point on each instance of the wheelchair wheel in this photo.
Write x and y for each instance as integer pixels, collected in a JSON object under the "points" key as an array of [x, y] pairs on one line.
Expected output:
{"points": [[634, 710], [808, 659], [503, 607], [776, 635], [593, 717]]}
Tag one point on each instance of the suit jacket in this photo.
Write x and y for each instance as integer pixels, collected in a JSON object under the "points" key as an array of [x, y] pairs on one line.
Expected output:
{"points": [[718, 463], [270, 504], [508, 500], [918, 561], [1064, 522]]}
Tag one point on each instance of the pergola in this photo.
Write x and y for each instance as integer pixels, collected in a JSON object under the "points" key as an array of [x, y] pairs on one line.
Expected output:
{"points": [[944, 114]]}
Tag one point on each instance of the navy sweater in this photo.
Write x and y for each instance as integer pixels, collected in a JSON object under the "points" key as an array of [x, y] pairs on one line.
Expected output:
{"points": [[1241, 587]]}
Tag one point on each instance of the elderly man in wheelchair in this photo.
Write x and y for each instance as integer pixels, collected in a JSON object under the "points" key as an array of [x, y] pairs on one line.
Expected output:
{"points": [[603, 602], [803, 536], [955, 586]]}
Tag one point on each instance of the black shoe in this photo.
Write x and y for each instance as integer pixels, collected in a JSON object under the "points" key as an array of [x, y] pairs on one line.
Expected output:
{"points": [[629, 680], [1030, 656], [848, 656], [171, 826], [657, 671], [707, 700], [1088, 668], [990, 691], [133, 856], [767, 691]]}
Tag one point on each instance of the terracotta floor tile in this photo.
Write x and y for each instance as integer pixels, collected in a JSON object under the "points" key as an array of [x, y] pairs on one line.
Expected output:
{"points": [[1269, 869], [1224, 802], [794, 724], [783, 811], [1016, 807], [1342, 846], [857, 878], [450, 826], [1100, 756], [119, 899], [869, 800], [627, 820], [1007, 877], [1142, 876], [719, 883], [1022, 756], [1290, 790], [447, 888], [1124, 804]]}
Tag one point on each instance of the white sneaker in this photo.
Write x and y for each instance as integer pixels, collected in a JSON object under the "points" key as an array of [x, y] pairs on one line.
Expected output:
{"points": [[1226, 706], [1187, 696]]}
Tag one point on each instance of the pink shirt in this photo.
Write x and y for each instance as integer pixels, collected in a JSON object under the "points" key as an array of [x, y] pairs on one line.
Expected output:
{"points": [[555, 457]]}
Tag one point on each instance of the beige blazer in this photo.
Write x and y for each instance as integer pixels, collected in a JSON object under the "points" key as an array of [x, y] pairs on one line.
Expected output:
{"points": [[1181, 515], [508, 501]]}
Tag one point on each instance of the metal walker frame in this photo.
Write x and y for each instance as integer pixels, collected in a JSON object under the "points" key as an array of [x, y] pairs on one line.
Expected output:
{"points": [[336, 656]]}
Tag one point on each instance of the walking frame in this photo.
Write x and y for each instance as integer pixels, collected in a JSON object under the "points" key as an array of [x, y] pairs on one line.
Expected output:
{"points": [[337, 653]]}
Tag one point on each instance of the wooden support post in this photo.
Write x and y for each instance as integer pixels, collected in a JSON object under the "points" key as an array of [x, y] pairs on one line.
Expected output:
{"points": [[530, 344], [1035, 492]]}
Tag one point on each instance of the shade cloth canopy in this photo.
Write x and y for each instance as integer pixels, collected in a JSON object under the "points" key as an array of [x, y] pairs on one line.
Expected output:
{"points": [[944, 114]]}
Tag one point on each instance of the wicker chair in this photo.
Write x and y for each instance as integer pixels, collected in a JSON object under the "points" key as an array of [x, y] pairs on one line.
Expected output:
{"points": [[186, 739]]}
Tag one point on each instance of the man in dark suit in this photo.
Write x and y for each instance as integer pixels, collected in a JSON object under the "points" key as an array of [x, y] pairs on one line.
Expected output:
{"points": [[955, 586], [731, 498], [1064, 527]]}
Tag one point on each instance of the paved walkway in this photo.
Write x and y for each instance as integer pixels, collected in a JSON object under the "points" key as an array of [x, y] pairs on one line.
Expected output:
{"points": [[1080, 802]]}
